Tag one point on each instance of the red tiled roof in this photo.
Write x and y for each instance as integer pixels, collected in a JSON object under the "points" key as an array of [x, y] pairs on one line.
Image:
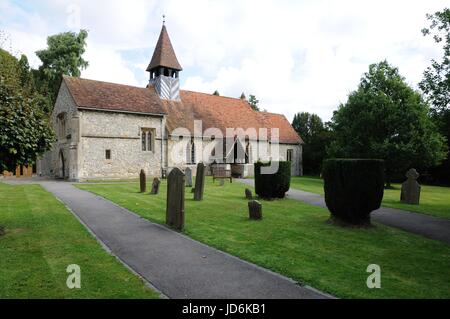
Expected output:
{"points": [[111, 96], [164, 55], [224, 112], [214, 111]]}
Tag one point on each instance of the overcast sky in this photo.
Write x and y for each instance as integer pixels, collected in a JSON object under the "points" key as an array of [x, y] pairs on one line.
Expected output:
{"points": [[293, 55]]}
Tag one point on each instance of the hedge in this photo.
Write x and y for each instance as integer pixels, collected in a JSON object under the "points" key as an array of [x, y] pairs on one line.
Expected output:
{"points": [[353, 188], [273, 185]]}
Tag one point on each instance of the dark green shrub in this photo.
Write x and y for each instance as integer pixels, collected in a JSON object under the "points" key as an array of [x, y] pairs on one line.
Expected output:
{"points": [[353, 188], [273, 185]]}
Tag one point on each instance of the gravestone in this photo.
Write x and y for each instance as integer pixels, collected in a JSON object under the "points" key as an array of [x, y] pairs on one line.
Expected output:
{"points": [[143, 181], [155, 186], [255, 210], [199, 182], [175, 199], [221, 182], [411, 188], [188, 173], [248, 194]]}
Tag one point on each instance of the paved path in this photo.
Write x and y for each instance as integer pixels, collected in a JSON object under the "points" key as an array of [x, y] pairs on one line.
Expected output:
{"points": [[428, 226], [175, 264]]}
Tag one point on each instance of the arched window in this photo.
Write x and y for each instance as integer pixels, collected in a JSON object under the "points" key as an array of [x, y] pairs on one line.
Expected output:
{"points": [[147, 139], [62, 126], [150, 141], [247, 153], [190, 152]]}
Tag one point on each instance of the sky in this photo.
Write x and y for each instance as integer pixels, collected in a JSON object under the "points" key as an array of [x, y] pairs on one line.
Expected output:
{"points": [[294, 56]]}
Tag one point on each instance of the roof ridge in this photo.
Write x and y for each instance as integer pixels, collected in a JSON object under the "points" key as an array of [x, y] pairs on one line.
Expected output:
{"points": [[273, 113], [100, 81], [217, 96]]}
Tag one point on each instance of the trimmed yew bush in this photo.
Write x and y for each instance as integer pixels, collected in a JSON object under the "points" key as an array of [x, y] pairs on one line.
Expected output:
{"points": [[353, 188], [273, 185]]}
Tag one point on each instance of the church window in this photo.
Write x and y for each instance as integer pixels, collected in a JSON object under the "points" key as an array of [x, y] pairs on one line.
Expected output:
{"points": [[247, 153], [108, 154], [190, 152], [289, 155], [62, 126], [147, 139]]}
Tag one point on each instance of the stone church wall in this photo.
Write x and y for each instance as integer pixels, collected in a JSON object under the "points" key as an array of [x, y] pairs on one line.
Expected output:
{"points": [[62, 160], [119, 133]]}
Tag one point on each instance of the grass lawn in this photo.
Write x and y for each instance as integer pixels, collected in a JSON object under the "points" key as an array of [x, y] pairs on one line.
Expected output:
{"points": [[434, 200], [42, 238], [294, 239]]}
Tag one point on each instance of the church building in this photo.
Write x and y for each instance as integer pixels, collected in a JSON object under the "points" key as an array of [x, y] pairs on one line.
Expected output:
{"points": [[112, 131]]}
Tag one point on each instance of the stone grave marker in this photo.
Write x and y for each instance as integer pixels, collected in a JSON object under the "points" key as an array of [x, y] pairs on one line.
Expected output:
{"points": [[188, 173], [248, 194], [175, 199], [143, 181], [199, 182], [255, 210], [410, 188], [155, 186]]}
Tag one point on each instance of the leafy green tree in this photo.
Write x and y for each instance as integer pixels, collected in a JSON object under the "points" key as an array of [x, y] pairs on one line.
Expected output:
{"points": [[63, 56], [436, 86], [436, 82], [254, 103], [316, 136], [386, 119], [25, 131]]}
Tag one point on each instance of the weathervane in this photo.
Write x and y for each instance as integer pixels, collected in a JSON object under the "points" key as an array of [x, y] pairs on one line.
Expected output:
{"points": [[164, 19]]}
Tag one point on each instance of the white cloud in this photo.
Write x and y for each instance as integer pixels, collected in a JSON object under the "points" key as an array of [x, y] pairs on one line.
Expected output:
{"points": [[107, 65], [293, 55]]}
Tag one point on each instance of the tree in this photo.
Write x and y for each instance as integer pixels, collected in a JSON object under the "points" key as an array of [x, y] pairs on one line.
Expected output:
{"points": [[25, 131], [63, 56], [254, 103], [436, 82], [316, 137], [436, 86], [386, 119]]}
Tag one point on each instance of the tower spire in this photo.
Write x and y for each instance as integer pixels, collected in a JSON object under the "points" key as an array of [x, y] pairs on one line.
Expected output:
{"points": [[164, 67]]}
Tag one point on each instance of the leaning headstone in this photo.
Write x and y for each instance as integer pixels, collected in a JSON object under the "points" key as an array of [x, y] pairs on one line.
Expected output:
{"points": [[199, 182], [255, 210], [143, 181], [175, 200], [248, 194], [188, 173], [155, 186], [411, 188]]}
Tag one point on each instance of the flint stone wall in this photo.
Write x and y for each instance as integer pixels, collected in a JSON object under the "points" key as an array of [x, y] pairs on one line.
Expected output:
{"points": [[120, 133]]}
